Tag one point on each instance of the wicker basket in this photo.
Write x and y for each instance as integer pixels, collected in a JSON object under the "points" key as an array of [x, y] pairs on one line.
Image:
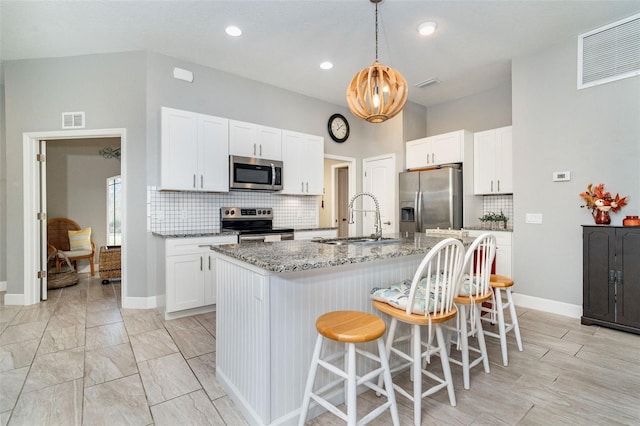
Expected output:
{"points": [[67, 276], [109, 261]]}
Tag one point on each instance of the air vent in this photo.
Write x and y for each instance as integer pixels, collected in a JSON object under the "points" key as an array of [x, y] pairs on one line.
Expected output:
{"points": [[73, 120], [609, 53], [427, 82]]}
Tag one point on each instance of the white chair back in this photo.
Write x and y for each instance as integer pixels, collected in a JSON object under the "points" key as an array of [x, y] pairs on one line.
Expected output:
{"points": [[442, 268], [478, 261]]}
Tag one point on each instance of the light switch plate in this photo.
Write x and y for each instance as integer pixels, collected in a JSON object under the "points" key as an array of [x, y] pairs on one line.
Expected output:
{"points": [[561, 176], [533, 218]]}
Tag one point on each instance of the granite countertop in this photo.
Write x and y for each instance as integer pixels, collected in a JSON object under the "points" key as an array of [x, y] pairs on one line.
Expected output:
{"points": [[192, 234], [328, 228], [290, 256], [481, 228]]}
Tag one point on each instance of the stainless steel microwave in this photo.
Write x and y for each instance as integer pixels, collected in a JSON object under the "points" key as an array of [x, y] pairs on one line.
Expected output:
{"points": [[248, 174]]}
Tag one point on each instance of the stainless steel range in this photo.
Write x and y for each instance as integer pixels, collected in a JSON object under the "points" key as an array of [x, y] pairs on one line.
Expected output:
{"points": [[253, 224]]}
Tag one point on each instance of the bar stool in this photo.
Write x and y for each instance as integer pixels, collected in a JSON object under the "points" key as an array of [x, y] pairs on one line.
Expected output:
{"points": [[350, 327], [499, 283], [474, 289]]}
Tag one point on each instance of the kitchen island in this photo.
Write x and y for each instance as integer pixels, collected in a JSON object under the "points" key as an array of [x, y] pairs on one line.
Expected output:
{"points": [[269, 297]]}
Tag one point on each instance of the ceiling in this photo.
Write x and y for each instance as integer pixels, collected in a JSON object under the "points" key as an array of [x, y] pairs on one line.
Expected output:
{"points": [[285, 41]]}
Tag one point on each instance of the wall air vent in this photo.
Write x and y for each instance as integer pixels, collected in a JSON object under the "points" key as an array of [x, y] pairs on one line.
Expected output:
{"points": [[73, 120], [609, 53], [427, 82]]}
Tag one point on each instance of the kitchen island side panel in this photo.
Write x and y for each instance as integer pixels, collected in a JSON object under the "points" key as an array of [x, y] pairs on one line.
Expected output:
{"points": [[242, 338]]}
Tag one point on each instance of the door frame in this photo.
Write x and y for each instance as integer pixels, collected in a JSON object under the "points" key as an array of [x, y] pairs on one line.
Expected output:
{"points": [[351, 164], [30, 176]]}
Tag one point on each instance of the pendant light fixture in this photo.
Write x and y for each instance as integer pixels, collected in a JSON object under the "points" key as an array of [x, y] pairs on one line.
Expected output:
{"points": [[378, 92]]}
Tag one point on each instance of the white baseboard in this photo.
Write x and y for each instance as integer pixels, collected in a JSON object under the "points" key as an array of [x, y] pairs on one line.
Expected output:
{"points": [[139, 302], [14, 299], [547, 305], [3, 286]]}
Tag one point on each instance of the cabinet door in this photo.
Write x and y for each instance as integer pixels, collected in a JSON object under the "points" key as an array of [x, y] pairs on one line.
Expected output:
{"points": [[213, 154], [178, 149], [598, 300], [447, 148], [269, 143], [504, 160], [303, 162], [210, 287], [243, 139], [185, 282], [484, 162], [628, 290], [418, 153]]}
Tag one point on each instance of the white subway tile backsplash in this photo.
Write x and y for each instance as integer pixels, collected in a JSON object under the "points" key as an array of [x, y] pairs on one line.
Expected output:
{"points": [[185, 212]]}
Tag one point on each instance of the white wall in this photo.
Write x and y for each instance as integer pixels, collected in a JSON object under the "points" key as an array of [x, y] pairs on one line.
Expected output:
{"points": [[3, 188], [594, 134]]}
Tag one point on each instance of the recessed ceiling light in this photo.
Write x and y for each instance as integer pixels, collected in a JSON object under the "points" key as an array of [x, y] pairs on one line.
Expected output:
{"points": [[427, 28], [233, 31], [326, 65]]}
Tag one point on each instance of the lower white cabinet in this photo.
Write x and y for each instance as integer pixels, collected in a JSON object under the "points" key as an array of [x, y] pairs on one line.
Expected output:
{"points": [[190, 275], [504, 256], [315, 234]]}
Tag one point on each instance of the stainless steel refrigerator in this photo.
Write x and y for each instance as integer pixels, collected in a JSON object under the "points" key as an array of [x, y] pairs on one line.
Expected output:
{"points": [[431, 199]]}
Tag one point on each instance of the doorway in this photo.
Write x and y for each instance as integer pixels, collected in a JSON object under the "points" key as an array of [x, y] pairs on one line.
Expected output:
{"points": [[339, 187], [34, 185]]}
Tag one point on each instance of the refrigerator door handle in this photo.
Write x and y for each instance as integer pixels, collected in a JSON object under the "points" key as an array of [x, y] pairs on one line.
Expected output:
{"points": [[419, 211]]}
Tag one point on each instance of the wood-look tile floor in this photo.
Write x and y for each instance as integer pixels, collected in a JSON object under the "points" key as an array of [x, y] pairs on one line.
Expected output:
{"points": [[80, 359]]}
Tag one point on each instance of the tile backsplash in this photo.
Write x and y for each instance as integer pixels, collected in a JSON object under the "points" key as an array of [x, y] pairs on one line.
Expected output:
{"points": [[498, 203], [185, 212]]}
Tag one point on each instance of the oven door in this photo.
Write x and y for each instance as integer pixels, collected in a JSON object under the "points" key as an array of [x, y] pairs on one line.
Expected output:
{"points": [[247, 174]]}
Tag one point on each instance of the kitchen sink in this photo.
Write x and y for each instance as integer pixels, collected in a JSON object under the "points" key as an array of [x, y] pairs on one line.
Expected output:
{"points": [[361, 241]]}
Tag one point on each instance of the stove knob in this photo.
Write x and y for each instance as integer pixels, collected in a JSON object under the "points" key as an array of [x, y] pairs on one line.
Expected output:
{"points": [[259, 211], [232, 212], [268, 211], [226, 212]]}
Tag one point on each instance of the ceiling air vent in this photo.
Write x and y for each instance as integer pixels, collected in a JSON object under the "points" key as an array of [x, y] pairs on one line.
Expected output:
{"points": [[609, 53], [73, 120]]}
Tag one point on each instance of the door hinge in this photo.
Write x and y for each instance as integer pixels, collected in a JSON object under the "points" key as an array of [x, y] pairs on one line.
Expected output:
{"points": [[42, 274], [41, 158], [41, 216]]}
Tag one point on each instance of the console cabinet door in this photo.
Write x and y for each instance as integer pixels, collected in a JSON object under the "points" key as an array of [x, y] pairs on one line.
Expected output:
{"points": [[598, 273], [628, 265]]}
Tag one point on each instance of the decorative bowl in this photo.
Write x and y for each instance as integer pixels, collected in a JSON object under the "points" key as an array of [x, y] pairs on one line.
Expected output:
{"points": [[631, 221]]}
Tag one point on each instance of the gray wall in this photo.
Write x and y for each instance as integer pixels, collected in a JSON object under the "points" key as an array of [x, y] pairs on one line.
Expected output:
{"points": [[593, 133], [486, 110], [3, 186], [111, 91]]}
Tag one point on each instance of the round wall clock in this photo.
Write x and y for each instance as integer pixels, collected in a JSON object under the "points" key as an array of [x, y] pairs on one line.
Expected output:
{"points": [[338, 127]]}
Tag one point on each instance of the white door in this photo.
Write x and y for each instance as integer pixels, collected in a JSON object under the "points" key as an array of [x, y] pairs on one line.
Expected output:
{"points": [[380, 179]]}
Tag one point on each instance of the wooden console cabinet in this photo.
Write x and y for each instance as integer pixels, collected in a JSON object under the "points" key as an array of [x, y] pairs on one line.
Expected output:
{"points": [[611, 277]]}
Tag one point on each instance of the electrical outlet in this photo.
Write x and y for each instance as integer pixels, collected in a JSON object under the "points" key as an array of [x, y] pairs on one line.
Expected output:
{"points": [[533, 218]]}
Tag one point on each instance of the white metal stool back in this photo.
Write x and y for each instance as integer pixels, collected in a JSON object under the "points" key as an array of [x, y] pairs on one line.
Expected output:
{"points": [[432, 290], [349, 327], [473, 291]]}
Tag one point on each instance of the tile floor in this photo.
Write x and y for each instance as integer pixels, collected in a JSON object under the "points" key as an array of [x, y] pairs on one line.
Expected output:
{"points": [[79, 359]]}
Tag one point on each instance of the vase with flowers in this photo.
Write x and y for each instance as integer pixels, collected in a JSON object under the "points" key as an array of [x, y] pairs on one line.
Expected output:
{"points": [[600, 202]]}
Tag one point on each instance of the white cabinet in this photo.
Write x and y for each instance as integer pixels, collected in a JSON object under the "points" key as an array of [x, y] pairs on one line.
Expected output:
{"points": [[315, 234], [254, 140], [493, 161], [190, 272], [303, 163], [436, 150], [193, 151], [504, 256]]}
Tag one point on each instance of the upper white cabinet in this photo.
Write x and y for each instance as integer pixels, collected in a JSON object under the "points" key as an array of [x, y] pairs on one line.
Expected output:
{"points": [[193, 151], [493, 161], [303, 163], [254, 140], [436, 150]]}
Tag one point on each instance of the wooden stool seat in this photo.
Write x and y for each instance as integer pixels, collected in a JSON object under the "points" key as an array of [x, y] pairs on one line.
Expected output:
{"points": [[500, 281], [470, 301], [350, 326]]}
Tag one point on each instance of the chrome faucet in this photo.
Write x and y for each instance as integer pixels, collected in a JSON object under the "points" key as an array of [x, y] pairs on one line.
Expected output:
{"points": [[378, 225]]}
